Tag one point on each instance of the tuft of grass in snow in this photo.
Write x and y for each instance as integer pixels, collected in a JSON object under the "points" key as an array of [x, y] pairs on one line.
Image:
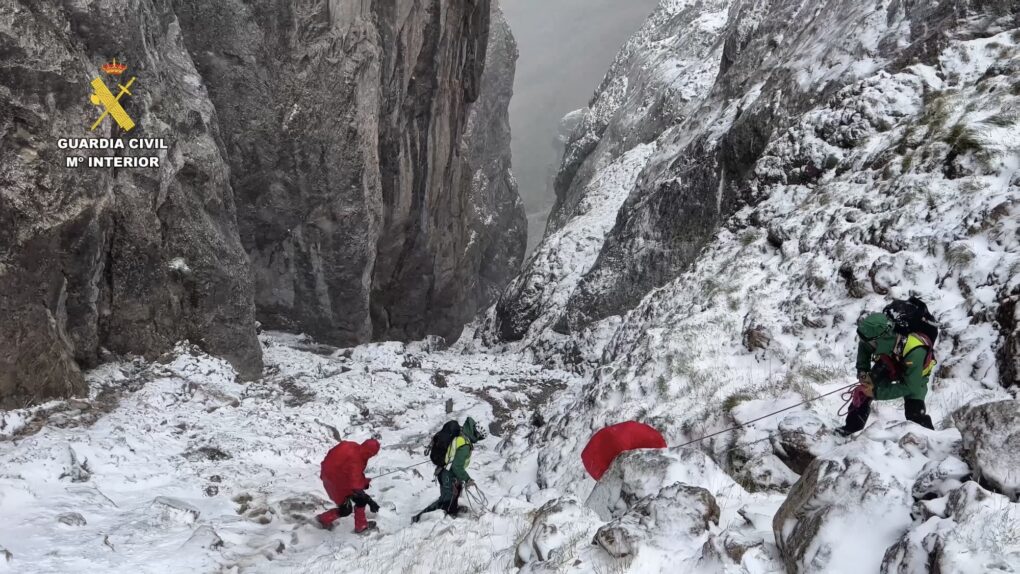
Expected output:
{"points": [[1004, 119], [959, 255], [731, 402], [936, 112], [908, 162], [963, 139], [819, 373], [617, 566], [663, 385]]}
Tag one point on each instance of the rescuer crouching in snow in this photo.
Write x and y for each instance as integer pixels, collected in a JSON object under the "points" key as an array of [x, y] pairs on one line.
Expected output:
{"points": [[343, 476], [891, 365]]}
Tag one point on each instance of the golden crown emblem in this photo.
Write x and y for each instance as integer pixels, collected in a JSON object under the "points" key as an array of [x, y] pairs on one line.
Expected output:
{"points": [[114, 68]]}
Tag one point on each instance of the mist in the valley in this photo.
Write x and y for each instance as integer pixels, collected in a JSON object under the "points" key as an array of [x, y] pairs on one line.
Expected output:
{"points": [[566, 48]]}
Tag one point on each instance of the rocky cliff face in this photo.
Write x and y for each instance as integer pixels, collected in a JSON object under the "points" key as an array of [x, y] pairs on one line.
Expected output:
{"points": [[368, 204], [124, 260], [336, 168], [710, 85]]}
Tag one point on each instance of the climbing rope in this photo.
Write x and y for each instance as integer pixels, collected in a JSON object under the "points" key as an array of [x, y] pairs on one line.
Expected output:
{"points": [[476, 499], [402, 469], [744, 424], [848, 398]]}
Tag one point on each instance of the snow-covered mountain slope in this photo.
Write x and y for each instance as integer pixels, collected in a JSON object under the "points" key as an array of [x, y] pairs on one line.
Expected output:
{"points": [[719, 233], [656, 81], [173, 466], [846, 153]]}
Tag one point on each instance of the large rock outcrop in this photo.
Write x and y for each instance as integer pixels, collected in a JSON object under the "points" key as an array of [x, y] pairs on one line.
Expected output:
{"points": [[127, 260], [864, 487], [970, 530], [337, 168], [991, 443], [369, 147]]}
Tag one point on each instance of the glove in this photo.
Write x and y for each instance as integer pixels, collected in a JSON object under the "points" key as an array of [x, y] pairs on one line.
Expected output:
{"points": [[469, 484], [863, 377], [868, 388], [374, 507]]}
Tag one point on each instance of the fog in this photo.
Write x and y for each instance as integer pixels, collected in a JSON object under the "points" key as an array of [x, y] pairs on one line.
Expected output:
{"points": [[566, 48]]}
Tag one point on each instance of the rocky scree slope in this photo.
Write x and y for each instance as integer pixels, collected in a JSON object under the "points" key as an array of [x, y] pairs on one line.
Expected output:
{"points": [[336, 168], [838, 155]]}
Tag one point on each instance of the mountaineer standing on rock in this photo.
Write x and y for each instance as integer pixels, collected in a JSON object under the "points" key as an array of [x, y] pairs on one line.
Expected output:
{"points": [[343, 476], [895, 358], [451, 452]]}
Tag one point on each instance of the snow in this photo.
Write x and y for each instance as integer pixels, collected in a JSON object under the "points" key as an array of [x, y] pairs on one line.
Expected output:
{"points": [[193, 470], [902, 182]]}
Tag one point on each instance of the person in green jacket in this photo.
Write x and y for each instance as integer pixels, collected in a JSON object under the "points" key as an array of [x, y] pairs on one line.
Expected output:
{"points": [[889, 366], [454, 477]]}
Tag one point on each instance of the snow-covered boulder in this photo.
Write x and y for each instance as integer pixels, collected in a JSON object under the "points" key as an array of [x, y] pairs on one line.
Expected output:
{"points": [[802, 437], [848, 507], [72, 519], [299, 507], [939, 477], [639, 474], [557, 525], [173, 511], [204, 538], [991, 443], [677, 511], [979, 531]]}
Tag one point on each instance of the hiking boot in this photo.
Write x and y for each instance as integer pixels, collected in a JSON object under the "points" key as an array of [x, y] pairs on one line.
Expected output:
{"points": [[323, 525], [326, 520], [368, 527]]}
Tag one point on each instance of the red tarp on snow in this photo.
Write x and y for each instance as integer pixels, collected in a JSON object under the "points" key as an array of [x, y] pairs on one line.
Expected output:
{"points": [[609, 442]]}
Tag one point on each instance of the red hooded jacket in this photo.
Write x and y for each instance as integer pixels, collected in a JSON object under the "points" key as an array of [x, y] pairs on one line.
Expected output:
{"points": [[343, 469]]}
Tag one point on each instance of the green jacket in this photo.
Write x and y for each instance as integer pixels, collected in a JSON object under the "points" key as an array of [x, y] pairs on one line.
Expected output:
{"points": [[459, 454], [461, 459], [913, 383]]}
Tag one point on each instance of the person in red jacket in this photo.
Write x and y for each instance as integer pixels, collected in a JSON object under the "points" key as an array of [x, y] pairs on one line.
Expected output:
{"points": [[343, 476]]}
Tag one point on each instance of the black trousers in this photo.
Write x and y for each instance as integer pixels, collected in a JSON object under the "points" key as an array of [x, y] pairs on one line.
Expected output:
{"points": [[449, 494], [358, 498], [913, 409]]}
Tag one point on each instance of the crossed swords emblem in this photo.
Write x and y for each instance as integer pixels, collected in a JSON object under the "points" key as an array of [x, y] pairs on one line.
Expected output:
{"points": [[102, 96]]}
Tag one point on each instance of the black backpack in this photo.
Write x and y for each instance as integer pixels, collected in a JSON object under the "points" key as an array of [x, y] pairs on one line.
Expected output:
{"points": [[912, 316], [436, 451]]}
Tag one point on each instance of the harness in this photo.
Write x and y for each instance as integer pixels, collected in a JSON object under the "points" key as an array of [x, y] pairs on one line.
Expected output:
{"points": [[905, 345], [451, 451]]}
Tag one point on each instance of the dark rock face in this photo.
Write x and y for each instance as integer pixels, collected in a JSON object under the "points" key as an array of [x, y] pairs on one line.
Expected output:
{"points": [[341, 167], [128, 260], [368, 205], [657, 79], [1009, 353]]}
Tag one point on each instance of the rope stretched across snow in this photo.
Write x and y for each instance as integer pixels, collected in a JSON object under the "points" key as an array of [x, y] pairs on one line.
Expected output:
{"points": [[744, 424], [401, 469], [690, 442]]}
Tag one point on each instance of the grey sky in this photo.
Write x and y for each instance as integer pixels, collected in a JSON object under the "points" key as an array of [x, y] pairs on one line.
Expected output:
{"points": [[566, 47]]}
